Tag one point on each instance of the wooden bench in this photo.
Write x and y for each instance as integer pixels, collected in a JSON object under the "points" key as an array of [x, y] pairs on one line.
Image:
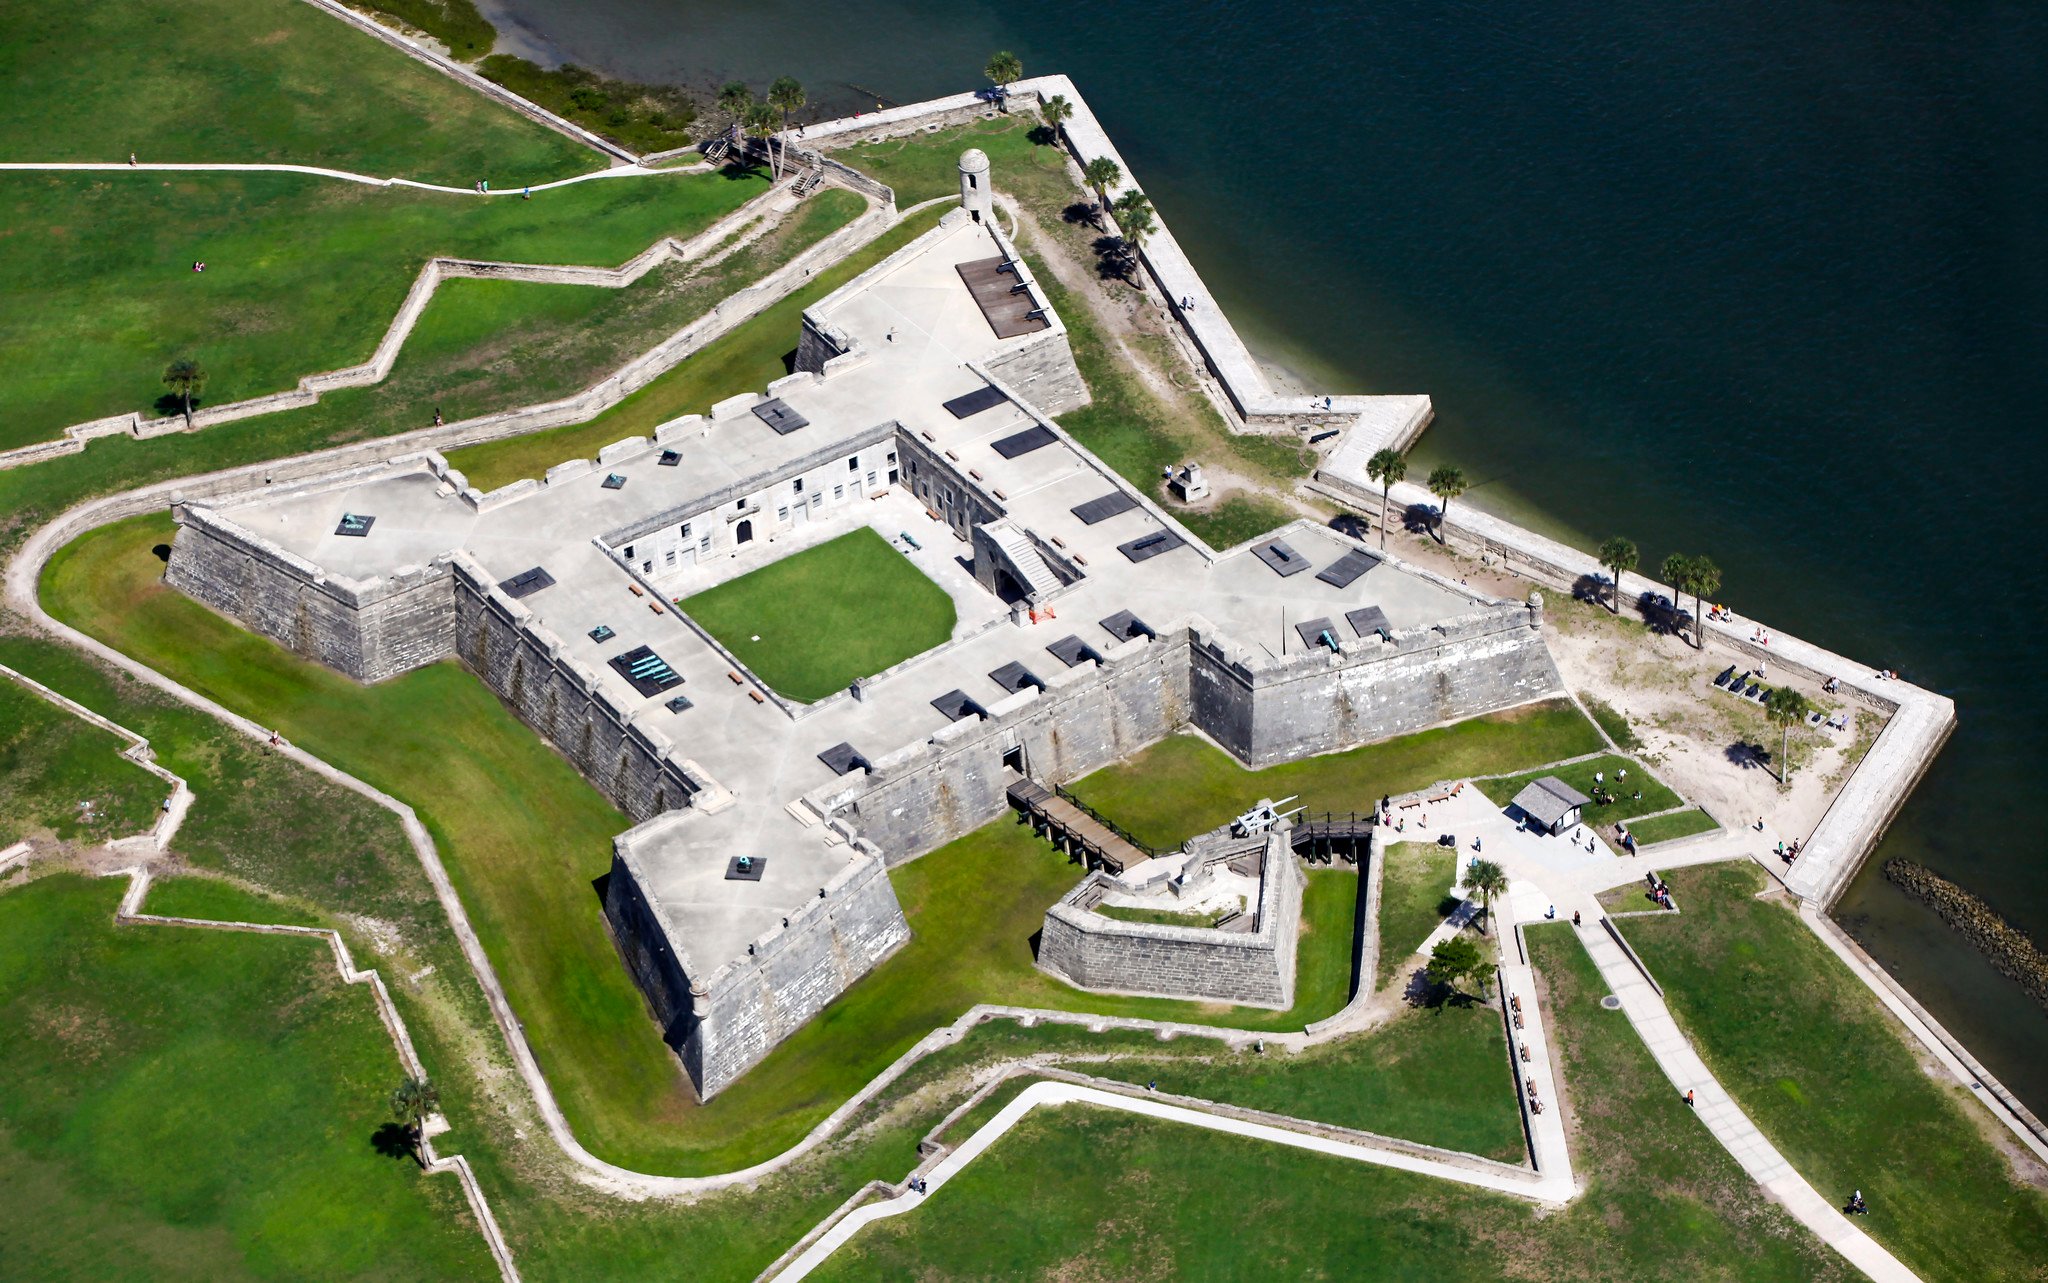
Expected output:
{"points": [[756, 696]]}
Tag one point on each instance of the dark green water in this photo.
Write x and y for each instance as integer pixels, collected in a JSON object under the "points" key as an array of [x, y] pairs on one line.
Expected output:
{"points": [[1762, 281]]}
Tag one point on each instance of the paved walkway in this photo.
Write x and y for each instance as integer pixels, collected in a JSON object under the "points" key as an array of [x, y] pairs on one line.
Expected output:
{"points": [[1723, 1117], [1553, 1189], [347, 176]]}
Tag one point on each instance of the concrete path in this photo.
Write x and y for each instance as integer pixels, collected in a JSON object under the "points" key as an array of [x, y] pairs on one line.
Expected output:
{"points": [[1723, 1117], [1551, 1189], [347, 176]]}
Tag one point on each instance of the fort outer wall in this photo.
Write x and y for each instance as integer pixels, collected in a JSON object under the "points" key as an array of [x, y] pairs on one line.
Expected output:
{"points": [[723, 1023], [1270, 711], [926, 794], [370, 629], [1255, 969]]}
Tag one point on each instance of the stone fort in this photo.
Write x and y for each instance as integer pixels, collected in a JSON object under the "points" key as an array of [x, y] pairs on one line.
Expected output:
{"points": [[753, 887]]}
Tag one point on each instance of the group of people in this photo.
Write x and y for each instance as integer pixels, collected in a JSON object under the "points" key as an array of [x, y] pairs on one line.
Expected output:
{"points": [[1788, 852]]}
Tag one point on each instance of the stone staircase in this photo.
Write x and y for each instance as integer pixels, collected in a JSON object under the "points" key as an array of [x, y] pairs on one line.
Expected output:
{"points": [[1025, 562], [809, 183]]}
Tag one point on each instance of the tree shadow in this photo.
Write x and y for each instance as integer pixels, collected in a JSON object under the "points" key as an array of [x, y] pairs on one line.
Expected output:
{"points": [[1081, 211], [392, 1140], [1418, 519], [1748, 756], [1448, 905], [172, 403], [1042, 136], [1591, 588], [1350, 525], [162, 552]]}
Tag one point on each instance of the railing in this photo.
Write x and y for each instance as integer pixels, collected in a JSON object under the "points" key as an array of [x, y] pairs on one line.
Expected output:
{"points": [[1106, 822]]}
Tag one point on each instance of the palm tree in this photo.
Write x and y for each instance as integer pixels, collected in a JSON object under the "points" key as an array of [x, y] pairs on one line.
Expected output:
{"points": [[760, 122], [185, 377], [1102, 173], [1056, 111], [734, 99], [1134, 216], [1002, 68], [1788, 708], [1386, 466], [1446, 482], [1677, 571], [1486, 880], [413, 1102], [1706, 581], [786, 96], [1618, 555]]}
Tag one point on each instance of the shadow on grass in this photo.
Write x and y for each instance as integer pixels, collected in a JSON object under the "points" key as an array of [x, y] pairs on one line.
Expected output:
{"points": [[392, 1140]]}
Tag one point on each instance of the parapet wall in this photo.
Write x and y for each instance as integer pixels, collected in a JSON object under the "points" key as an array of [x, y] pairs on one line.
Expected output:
{"points": [[1267, 711], [1255, 969], [370, 629], [722, 1021], [640, 771], [929, 793]]}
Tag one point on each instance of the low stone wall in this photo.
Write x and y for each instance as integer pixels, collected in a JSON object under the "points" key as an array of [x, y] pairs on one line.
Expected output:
{"points": [[370, 629], [1255, 969], [1267, 711], [722, 1021]]}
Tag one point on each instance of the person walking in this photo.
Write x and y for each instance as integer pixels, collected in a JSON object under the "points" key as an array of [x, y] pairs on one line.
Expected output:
{"points": [[1689, 1100]]}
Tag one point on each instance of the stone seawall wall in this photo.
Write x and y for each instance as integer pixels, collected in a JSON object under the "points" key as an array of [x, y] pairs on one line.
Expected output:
{"points": [[927, 794], [1086, 949], [750, 1005], [370, 630], [1276, 711], [638, 770]]}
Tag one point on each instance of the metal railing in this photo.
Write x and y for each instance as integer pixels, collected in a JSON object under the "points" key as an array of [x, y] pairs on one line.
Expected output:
{"points": [[1107, 823]]}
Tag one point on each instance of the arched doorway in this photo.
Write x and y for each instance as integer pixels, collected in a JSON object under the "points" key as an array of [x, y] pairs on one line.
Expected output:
{"points": [[745, 532]]}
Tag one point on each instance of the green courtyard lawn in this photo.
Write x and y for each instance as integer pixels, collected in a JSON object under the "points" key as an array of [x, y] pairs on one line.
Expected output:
{"points": [[1826, 1073], [1656, 797], [1436, 1075], [214, 899], [1184, 785], [1415, 894], [64, 777], [253, 81], [188, 1104], [1112, 1196], [749, 357], [303, 274], [813, 622], [1678, 824]]}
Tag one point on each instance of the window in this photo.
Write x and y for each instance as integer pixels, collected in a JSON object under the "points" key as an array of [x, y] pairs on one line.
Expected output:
{"points": [[647, 567], [671, 557], [799, 487], [782, 513], [629, 552], [892, 456], [685, 531], [740, 506], [871, 478], [704, 544], [853, 464]]}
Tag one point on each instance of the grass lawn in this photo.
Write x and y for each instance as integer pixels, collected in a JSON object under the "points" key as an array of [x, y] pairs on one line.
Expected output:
{"points": [[1663, 1200], [253, 81], [1415, 894], [1184, 785], [1579, 775], [1826, 1073], [213, 899], [813, 622], [1632, 898], [65, 777], [1437, 1075], [524, 837], [750, 356], [303, 274], [1678, 824], [190, 1104]]}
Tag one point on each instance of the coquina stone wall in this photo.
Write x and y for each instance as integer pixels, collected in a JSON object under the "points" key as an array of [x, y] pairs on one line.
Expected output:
{"points": [[1088, 717], [722, 1021], [370, 629], [639, 770], [1256, 969], [1270, 711]]}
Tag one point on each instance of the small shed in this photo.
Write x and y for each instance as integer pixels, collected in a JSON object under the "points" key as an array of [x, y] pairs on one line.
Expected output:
{"points": [[1551, 804]]}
